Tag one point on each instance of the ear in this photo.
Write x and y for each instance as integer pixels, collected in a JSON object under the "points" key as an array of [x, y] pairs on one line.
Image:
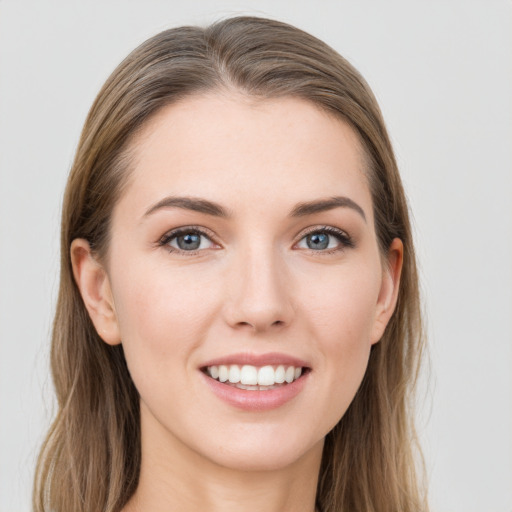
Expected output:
{"points": [[94, 285], [388, 294]]}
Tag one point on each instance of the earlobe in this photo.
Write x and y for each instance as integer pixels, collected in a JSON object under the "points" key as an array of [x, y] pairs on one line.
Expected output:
{"points": [[94, 285], [390, 286]]}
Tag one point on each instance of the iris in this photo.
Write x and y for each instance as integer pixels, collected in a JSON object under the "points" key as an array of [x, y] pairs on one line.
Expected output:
{"points": [[190, 241], [317, 241]]}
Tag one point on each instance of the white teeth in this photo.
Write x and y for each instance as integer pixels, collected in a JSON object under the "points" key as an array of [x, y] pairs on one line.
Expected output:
{"points": [[280, 373], [249, 375], [214, 372], [223, 373], [234, 374], [252, 377], [266, 376]]}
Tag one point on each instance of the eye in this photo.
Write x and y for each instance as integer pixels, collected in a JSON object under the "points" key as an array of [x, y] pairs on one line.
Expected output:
{"points": [[326, 239], [187, 240]]}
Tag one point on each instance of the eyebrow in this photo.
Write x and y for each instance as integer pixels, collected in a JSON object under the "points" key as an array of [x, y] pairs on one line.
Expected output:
{"points": [[211, 208], [322, 205], [189, 203]]}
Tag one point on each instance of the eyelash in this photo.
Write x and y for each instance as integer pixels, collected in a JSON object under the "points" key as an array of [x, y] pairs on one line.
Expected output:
{"points": [[187, 230], [343, 238]]}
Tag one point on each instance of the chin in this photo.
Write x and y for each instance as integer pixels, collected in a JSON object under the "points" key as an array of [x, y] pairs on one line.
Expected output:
{"points": [[264, 455]]}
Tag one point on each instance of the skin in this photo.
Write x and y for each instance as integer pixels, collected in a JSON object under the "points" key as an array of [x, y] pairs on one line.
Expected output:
{"points": [[255, 285]]}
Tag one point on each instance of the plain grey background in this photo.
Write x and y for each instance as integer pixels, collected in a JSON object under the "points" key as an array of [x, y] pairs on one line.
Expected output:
{"points": [[442, 72]]}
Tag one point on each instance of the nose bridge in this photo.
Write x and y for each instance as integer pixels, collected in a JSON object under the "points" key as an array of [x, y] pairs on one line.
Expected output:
{"points": [[258, 288]]}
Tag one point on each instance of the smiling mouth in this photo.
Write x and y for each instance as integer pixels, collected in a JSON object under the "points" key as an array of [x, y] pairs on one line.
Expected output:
{"points": [[255, 378]]}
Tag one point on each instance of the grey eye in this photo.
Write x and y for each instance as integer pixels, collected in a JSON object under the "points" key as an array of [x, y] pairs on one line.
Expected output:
{"points": [[321, 240], [327, 239], [318, 241], [188, 241]]}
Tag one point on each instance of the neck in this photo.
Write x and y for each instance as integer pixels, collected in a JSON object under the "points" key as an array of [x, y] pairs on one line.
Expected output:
{"points": [[173, 477]]}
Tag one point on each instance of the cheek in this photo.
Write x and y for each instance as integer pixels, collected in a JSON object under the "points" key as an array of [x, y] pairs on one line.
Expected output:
{"points": [[341, 317], [343, 305], [162, 317]]}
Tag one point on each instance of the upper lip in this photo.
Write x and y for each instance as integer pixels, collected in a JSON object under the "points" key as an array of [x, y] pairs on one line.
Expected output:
{"points": [[270, 358]]}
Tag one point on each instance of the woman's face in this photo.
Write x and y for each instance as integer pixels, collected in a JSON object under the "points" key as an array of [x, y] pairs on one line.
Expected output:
{"points": [[245, 240]]}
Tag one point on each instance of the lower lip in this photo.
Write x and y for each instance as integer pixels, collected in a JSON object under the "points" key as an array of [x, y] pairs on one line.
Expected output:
{"points": [[256, 400]]}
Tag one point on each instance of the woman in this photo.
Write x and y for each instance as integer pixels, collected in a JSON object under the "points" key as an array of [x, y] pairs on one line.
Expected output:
{"points": [[238, 321]]}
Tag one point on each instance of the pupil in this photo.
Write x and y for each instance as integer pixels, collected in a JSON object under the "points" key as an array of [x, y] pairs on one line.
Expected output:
{"points": [[189, 242], [318, 241]]}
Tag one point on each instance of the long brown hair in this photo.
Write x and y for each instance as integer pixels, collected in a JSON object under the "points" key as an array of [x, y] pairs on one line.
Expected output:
{"points": [[90, 460]]}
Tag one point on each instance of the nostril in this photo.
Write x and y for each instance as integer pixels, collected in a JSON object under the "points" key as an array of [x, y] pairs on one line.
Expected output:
{"points": [[276, 323]]}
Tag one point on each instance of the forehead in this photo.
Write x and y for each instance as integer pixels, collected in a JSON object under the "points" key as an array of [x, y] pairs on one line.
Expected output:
{"points": [[240, 149]]}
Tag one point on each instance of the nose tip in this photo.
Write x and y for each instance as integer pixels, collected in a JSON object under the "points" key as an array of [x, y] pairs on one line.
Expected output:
{"points": [[259, 297]]}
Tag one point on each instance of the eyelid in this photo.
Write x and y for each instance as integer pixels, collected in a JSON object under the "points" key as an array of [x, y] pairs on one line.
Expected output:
{"points": [[173, 233], [345, 240]]}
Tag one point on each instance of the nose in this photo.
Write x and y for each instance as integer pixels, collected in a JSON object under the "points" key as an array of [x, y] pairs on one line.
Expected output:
{"points": [[259, 292]]}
